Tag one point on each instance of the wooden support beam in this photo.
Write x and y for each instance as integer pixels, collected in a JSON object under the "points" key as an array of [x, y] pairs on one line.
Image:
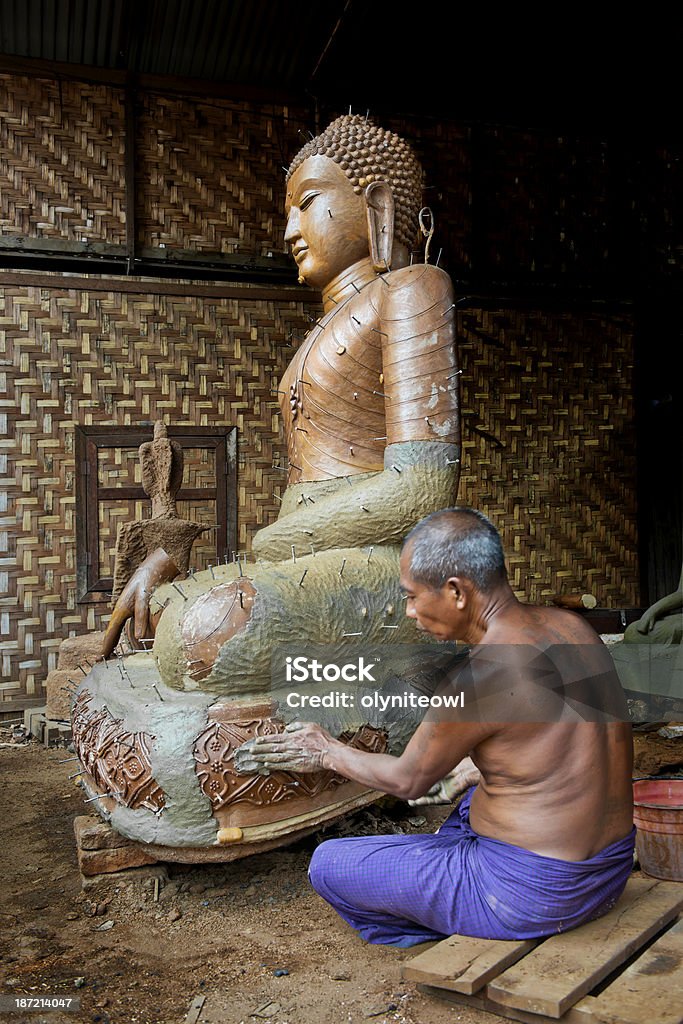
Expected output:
{"points": [[129, 174], [154, 286], [165, 84]]}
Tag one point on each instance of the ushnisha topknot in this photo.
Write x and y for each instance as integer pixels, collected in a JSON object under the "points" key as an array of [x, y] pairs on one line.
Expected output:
{"points": [[366, 153]]}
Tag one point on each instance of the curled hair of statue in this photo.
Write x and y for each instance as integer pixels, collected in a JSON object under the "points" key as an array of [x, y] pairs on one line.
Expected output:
{"points": [[367, 153]]}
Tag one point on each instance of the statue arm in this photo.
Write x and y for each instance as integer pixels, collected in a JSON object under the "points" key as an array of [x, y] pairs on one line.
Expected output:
{"points": [[420, 370], [133, 602], [666, 605], [371, 510]]}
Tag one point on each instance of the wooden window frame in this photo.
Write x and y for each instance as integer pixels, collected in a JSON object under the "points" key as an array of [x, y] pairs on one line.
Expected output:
{"points": [[92, 589]]}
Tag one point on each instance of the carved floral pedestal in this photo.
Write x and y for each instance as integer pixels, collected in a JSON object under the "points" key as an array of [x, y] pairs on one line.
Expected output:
{"points": [[158, 765]]}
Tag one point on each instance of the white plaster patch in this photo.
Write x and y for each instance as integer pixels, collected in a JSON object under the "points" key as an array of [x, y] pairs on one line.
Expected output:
{"points": [[432, 403], [445, 428]]}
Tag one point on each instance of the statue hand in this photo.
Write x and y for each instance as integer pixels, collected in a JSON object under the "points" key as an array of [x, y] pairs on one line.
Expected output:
{"points": [[300, 748], [274, 543], [646, 623], [459, 779], [134, 599]]}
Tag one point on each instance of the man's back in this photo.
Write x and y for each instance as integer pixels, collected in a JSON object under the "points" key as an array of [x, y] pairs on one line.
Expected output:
{"points": [[556, 770]]}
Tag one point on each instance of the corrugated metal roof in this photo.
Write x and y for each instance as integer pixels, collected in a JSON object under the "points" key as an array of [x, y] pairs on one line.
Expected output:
{"points": [[75, 31], [430, 57], [264, 42]]}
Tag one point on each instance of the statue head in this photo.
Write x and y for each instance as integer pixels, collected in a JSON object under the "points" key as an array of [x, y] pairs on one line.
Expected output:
{"points": [[352, 192]]}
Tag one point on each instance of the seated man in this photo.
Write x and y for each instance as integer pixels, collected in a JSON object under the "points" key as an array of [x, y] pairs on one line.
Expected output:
{"points": [[545, 841]]}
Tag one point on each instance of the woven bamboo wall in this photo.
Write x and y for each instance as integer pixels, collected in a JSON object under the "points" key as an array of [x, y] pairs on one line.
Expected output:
{"points": [[211, 174], [208, 175], [546, 397], [78, 357], [511, 203], [61, 160], [549, 448]]}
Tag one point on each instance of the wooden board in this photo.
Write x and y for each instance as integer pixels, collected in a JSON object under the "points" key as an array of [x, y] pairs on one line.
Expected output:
{"points": [[555, 975], [650, 989], [541, 985], [465, 964], [195, 1009], [481, 1002]]}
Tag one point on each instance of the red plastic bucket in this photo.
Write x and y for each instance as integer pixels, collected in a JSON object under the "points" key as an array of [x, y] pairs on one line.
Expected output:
{"points": [[658, 817]]}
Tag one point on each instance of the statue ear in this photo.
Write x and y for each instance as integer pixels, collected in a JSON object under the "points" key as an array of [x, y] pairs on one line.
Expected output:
{"points": [[379, 201]]}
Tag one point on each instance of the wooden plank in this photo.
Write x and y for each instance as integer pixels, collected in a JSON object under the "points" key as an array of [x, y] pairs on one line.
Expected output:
{"points": [[464, 964], [483, 1003], [167, 84], [196, 1005], [650, 989], [149, 286], [555, 975]]}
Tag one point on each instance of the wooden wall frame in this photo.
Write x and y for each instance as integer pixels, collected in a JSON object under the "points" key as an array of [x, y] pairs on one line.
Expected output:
{"points": [[90, 440]]}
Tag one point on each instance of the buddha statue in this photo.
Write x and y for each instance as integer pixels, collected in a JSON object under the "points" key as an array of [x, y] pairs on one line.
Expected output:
{"points": [[369, 407], [161, 464], [649, 660], [662, 623]]}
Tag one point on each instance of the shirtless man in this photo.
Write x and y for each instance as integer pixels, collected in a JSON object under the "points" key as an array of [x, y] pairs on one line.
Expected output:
{"points": [[545, 841]]}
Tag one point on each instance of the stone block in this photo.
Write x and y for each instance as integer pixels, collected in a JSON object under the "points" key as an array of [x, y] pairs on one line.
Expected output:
{"points": [[104, 862], [133, 876], [94, 834], [58, 699], [56, 734], [34, 722], [76, 650]]}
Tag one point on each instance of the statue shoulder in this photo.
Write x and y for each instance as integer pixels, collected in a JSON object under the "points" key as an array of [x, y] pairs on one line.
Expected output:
{"points": [[422, 284]]}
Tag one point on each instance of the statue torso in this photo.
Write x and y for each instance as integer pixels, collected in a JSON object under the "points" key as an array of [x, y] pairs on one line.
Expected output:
{"points": [[378, 368]]}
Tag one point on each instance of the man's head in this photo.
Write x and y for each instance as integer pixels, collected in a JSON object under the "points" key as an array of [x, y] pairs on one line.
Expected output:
{"points": [[351, 192], [452, 562]]}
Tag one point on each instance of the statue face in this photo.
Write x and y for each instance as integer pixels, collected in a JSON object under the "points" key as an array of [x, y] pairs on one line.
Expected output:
{"points": [[327, 224]]}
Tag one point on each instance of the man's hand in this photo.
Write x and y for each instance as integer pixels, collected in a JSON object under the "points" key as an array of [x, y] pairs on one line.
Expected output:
{"points": [[300, 748], [134, 599], [464, 775]]}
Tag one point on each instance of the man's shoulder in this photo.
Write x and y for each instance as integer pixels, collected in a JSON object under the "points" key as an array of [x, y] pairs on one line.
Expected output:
{"points": [[540, 626]]}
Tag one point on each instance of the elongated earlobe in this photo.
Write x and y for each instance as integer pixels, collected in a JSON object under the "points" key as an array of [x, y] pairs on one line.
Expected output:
{"points": [[379, 200]]}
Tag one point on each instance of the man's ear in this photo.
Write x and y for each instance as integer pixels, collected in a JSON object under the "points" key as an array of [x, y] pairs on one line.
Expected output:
{"points": [[379, 201], [458, 590]]}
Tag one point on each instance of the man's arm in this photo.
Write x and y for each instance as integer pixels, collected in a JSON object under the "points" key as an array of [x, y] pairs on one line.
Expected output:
{"points": [[454, 783], [434, 749]]}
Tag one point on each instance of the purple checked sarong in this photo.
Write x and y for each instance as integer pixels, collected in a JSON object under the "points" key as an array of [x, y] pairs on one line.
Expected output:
{"points": [[402, 890]]}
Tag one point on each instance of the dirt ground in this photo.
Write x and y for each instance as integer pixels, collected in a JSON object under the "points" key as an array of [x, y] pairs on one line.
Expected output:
{"points": [[251, 937], [219, 931]]}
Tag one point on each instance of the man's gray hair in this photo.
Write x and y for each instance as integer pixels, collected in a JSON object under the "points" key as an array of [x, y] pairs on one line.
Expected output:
{"points": [[456, 542]]}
